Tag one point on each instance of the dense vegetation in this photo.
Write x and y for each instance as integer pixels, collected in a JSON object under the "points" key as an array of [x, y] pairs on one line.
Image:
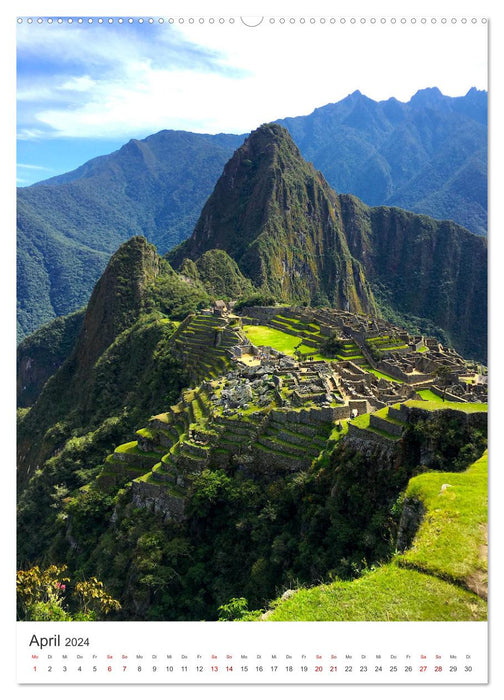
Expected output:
{"points": [[331, 522], [121, 369], [427, 155], [219, 274]]}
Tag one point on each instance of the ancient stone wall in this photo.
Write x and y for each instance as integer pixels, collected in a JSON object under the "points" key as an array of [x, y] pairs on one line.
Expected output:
{"points": [[382, 424], [151, 496], [261, 314], [361, 405]]}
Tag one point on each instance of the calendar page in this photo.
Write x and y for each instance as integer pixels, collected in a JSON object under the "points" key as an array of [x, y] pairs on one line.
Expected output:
{"points": [[252, 361]]}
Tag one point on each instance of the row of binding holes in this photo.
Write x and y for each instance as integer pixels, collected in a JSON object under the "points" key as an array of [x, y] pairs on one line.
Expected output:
{"points": [[271, 20]]}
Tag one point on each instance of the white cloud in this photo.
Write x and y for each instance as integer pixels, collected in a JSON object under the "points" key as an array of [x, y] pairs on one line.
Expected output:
{"points": [[82, 83], [30, 134], [232, 78], [28, 166]]}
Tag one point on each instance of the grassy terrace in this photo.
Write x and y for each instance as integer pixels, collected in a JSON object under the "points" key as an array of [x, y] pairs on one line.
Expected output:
{"points": [[310, 331], [431, 580], [283, 342], [454, 405], [132, 449], [387, 594], [451, 541], [428, 395], [363, 422], [292, 321], [382, 375], [386, 342], [287, 343], [383, 413]]}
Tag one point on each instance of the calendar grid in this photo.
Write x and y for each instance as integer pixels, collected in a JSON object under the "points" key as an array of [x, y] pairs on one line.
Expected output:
{"points": [[223, 653]]}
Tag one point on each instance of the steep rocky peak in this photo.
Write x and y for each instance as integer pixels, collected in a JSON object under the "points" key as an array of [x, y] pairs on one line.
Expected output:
{"points": [[258, 177], [265, 146], [117, 298], [427, 97]]}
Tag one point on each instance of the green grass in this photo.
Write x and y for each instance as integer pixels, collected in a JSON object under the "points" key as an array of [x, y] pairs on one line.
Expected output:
{"points": [[133, 449], [283, 342], [451, 541], [387, 594], [428, 395], [361, 421], [384, 413], [145, 433], [162, 417], [296, 322], [338, 434], [262, 335], [454, 405], [128, 447]]}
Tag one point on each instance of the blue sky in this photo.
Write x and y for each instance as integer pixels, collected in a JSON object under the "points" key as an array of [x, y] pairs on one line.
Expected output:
{"points": [[84, 89]]}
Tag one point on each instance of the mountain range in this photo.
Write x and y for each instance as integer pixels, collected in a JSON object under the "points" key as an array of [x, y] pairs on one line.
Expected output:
{"points": [[427, 155], [274, 230]]}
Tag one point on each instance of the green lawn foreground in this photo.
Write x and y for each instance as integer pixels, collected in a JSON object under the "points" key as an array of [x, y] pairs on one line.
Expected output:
{"points": [[388, 594], [451, 541], [423, 583]]}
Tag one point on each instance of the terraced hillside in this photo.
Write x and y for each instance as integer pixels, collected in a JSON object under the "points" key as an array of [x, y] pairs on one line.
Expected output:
{"points": [[287, 440], [174, 436], [204, 341], [245, 425], [272, 410]]}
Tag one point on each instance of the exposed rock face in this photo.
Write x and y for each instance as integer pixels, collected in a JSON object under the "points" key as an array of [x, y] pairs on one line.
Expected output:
{"points": [[275, 215], [425, 268], [159, 500], [411, 516]]}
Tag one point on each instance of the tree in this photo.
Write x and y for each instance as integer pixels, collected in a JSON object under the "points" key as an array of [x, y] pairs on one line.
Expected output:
{"points": [[44, 595], [332, 346]]}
